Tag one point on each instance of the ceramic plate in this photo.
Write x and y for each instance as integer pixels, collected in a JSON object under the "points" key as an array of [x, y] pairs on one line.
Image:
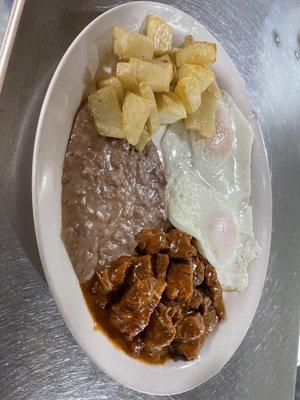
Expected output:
{"points": [[73, 75]]}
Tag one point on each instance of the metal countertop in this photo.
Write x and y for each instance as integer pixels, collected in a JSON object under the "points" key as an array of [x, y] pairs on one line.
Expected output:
{"points": [[39, 358]]}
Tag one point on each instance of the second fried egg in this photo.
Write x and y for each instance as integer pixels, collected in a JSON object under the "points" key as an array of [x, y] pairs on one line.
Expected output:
{"points": [[208, 192]]}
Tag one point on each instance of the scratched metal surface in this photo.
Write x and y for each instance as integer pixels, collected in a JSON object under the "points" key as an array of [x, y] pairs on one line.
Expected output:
{"points": [[39, 358]]}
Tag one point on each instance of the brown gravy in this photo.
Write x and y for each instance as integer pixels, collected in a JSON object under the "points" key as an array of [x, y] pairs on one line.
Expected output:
{"points": [[102, 323], [160, 303]]}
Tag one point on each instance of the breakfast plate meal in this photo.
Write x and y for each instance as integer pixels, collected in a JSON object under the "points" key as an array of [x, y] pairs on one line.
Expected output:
{"points": [[151, 198]]}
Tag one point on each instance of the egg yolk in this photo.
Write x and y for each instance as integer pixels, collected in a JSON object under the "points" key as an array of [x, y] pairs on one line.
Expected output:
{"points": [[219, 148], [222, 236]]}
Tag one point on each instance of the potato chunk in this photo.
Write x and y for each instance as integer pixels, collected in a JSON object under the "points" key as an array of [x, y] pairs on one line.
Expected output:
{"points": [[106, 110], [161, 34], [126, 77], [153, 120], [170, 108], [202, 53], [144, 139], [204, 119], [158, 75], [189, 89], [205, 76], [131, 44], [114, 83], [164, 58], [135, 113]]}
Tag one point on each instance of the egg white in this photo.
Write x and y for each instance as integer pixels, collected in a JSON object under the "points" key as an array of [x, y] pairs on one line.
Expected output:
{"points": [[208, 191]]}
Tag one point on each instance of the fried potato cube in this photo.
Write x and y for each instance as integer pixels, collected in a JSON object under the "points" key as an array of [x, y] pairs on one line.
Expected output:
{"points": [[158, 75], [125, 75], [153, 120], [144, 139], [135, 112], [189, 89], [201, 53], [170, 108], [131, 44], [205, 76], [106, 110], [161, 34], [204, 119], [164, 58], [114, 83], [167, 59]]}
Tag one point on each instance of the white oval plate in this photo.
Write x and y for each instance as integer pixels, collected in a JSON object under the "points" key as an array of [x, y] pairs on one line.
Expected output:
{"points": [[75, 71]]}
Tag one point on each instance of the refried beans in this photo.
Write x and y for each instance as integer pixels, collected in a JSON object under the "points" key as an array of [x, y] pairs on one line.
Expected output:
{"points": [[110, 192]]}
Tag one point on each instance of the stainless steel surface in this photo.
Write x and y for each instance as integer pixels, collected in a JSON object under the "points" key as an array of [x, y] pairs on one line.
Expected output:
{"points": [[9, 37], [39, 358]]}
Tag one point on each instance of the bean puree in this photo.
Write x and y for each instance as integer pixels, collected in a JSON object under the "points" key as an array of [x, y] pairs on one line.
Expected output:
{"points": [[110, 192]]}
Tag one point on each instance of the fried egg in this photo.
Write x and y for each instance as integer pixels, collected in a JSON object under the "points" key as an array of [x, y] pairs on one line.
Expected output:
{"points": [[209, 188]]}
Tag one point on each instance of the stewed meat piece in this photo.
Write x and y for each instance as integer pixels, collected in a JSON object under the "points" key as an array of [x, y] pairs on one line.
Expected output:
{"points": [[209, 315], [180, 281], [117, 271], [198, 270], [190, 335], [161, 266], [195, 301], [132, 313], [190, 326], [180, 246], [109, 280], [152, 242], [161, 331], [142, 269], [214, 290]]}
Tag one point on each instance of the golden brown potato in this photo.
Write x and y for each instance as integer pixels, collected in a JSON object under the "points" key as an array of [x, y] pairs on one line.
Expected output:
{"points": [[167, 59], [206, 76], [114, 83], [158, 75], [135, 112], [164, 58], [170, 108], [106, 110], [126, 77], [144, 139], [131, 44], [161, 34], [153, 120], [189, 89], [204, 119], [201, 53]]}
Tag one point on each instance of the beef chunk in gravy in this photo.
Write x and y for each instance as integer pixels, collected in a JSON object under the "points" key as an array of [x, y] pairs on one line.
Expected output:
{"points": [[180, 245], [180, 282], [152, 242], [214, 290], [161, 266], [161, 330], [132, 313], [198, 270], [190, 335], [159, 303]]}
